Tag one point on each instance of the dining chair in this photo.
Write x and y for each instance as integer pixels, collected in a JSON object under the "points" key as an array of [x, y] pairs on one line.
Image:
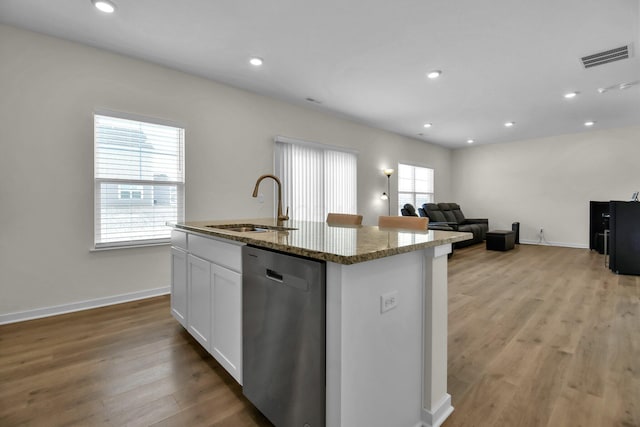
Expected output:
{"points": [[344, 219], [404, 222]]}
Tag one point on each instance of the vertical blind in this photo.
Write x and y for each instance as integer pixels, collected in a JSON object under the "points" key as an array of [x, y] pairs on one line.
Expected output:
{"points": [[139, 181], [316, 179], [415, 185]]}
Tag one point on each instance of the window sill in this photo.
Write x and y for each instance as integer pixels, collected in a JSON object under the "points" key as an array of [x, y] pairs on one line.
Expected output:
{"points": [[111, 248]]}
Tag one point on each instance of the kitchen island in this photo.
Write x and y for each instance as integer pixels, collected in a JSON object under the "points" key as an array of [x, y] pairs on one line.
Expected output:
{"points": [[386, 310]]}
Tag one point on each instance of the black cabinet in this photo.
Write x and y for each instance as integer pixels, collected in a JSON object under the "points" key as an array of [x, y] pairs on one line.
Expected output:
{"points": [[598, 223], [624, 238]]}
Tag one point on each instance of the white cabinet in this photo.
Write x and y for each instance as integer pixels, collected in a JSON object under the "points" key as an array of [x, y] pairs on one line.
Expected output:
{"points": [[199, 319], [206, 295], [226, 319], [179, 285]]}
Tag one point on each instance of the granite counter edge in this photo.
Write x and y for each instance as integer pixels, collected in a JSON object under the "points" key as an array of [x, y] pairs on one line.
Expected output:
{"points": [[324, 256]]}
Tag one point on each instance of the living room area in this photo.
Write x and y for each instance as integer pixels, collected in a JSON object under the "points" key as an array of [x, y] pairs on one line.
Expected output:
{"points": [[544, 334], [545, 183]]}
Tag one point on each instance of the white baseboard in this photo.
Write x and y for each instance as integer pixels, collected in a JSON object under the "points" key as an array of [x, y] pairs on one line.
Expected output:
{"points": [[439, 414], [81, 305], [561, 244]]}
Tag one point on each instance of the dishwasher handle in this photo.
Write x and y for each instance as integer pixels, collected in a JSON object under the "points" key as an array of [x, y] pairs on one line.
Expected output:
{"points": [[274, 275], [290, 281]]}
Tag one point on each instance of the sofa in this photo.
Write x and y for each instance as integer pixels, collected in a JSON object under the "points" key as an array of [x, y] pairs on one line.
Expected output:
{"points": [[449, 216]]}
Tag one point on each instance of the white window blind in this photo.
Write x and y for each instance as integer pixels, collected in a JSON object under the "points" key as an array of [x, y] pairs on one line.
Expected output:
{"points": [[316, 179], [139, 181], [415, 186]]}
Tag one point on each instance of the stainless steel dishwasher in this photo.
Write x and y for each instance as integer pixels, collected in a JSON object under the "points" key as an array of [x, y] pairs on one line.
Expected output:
{"points": [[283, 336]]}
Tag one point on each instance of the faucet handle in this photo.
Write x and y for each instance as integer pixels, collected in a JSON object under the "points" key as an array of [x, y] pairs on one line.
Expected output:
{"points": [[282, 217]]}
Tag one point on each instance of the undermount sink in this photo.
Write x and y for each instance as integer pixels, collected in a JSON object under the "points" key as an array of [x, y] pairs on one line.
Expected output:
{"points": [[248, 228]]}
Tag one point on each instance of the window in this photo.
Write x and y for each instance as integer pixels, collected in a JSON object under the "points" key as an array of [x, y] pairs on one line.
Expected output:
{"points": [[316, 179], [139, 180], [415, 186]]}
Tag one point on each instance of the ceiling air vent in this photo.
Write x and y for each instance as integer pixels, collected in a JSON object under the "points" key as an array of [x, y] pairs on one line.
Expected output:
{"points": [[601, 58]]}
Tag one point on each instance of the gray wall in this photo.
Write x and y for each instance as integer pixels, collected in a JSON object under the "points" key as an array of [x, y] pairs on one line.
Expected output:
{"points": [[49, 90], [547, 183]]}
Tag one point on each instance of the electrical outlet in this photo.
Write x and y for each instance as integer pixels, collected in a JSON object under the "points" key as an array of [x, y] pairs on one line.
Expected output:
{"points": [[388, 301]]}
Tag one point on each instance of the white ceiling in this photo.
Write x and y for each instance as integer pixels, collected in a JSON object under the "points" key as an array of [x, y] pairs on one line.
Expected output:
{"points": [[502, 60]]}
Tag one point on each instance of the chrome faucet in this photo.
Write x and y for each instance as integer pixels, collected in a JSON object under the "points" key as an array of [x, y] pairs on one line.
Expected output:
{"points": [[275, 178]]}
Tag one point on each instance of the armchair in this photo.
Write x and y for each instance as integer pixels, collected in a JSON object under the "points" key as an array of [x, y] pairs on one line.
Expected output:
{"points": [[408, 210]]}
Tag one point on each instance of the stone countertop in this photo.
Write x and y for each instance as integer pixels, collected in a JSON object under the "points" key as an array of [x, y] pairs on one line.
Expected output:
{"points": [[319, 240]]}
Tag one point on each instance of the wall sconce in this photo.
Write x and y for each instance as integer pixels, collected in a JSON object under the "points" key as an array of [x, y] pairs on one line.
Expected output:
{"points": [[387, 196]]}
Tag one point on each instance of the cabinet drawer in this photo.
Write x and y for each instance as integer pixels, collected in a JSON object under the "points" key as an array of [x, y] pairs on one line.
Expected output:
{"points": [[179, 239], [222, 253]]}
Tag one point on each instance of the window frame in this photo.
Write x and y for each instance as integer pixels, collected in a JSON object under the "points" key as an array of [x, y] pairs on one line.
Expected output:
{"points": [[141, 185], [429, 195]]}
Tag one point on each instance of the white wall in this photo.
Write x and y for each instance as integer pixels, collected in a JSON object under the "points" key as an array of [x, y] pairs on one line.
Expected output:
{"points": [[547, 183], [49, 89]]}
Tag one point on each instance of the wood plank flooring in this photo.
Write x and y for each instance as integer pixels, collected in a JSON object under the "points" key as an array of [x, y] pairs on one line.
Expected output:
{"points": [[542, 336], [538, 336], [125, 365]]}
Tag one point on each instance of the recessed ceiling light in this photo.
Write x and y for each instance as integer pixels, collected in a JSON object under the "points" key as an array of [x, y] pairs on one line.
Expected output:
{"points": [[509, 124], [427, 125], [618, 86], [470, 141], [571, 95], [255, 61], [589, 123], [434, 74], [105, 6], [623, 86]]}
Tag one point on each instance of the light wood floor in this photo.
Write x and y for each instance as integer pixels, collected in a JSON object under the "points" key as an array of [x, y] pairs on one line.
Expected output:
{"points": [[538, 336], [542, 336]]}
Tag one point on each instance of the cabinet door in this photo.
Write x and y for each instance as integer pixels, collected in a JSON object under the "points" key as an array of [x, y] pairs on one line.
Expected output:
{"points": [[179, 285], [199, 315], [226, 321]]}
